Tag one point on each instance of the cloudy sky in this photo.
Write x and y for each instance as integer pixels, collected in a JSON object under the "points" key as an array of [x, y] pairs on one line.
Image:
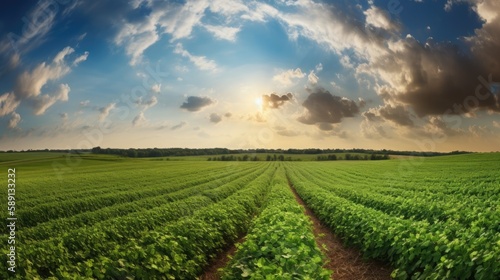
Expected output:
{"points": [[409, 75]]}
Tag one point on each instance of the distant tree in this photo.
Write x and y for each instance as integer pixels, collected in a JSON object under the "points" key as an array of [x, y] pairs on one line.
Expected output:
{"points": [[268, 158], [332, 157], [132, 153]]}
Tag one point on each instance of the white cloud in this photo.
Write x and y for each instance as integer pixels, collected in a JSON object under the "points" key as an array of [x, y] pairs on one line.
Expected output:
{"points": [[139, 119], [180, 20], [104, 111], [260, 12], [137, 38], [223, 32], [156, 88], [8, 103], [312, 78], [81, 58], [59, 58], [371, 130], [319, 68], [177, 20], [487, 10], [14, 60], [146, 104], [29, 84], [181, 69], [449, 5], [287, 77], [81, 37], [328, 26], [14, 120], [380, 19], [200, 61], [84, 103], [345, 60], [32, 35], [43, 102], [228, 8]]}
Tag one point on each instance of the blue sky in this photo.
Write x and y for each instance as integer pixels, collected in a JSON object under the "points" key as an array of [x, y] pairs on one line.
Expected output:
{"points": [[412, 75]]}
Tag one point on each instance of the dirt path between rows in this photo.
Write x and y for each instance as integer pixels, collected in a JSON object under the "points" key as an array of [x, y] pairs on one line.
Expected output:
{"points": [[212, 272], [346, 263]]}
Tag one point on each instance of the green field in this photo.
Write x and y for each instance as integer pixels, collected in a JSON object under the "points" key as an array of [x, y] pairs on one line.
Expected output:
{"points": [[108, 217]]}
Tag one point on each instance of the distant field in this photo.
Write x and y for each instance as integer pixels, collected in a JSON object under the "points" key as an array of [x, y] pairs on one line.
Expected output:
{"points": [[108, 217], [18, 157]]}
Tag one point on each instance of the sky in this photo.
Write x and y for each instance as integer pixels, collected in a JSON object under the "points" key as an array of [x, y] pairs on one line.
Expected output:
{"points": [[421, 75]]}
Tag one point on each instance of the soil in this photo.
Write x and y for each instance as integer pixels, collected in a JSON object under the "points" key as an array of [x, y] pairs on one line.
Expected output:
{"points": [[212, 272], [346, 263]]}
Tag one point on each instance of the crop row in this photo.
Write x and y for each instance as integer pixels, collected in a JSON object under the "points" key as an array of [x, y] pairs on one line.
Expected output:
{"points": [[57, 226], [129, 226], [44, 257], [72, 252], [417, 249], [178, 250], [104, 183], [90, 177], [440, 207], [280, 243], [36, 215]]}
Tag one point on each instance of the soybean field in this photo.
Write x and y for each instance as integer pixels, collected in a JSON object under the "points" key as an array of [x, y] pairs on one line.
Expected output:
{"points": [[108, 217]]}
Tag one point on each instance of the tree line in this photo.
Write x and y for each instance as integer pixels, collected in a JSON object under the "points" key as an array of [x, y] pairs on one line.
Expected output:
{"points": [[353, 153], [354, 157], [252, 158]]}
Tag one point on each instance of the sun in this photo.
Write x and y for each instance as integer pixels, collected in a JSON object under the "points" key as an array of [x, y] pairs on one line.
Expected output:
{"points": [[259, 102]]}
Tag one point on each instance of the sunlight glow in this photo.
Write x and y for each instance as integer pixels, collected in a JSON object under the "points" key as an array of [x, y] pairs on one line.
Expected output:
{"points": [[259, 102]]}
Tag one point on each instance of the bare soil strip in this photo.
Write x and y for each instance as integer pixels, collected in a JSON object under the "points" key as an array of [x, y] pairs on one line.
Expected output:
{"points": [[346, 263], [212, 272]]}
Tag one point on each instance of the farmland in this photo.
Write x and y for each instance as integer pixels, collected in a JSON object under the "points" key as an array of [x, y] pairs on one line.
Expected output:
{"points": [[108, 217]]}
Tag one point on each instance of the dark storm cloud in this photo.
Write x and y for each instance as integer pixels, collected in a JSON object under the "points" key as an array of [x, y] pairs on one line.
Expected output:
{"points": [[486, 42], [215, 118], [372, 115], [397, 114], [274, 101], [325, 109], [196, 103], [438, 79]]}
